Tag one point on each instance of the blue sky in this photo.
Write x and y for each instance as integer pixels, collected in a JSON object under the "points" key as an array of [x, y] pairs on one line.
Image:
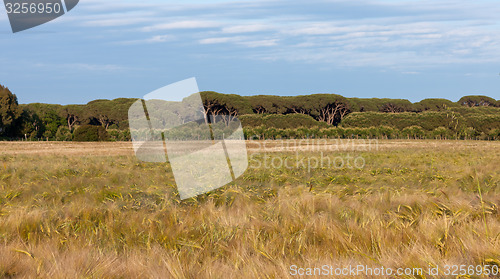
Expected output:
{"points": [[361, 48]]}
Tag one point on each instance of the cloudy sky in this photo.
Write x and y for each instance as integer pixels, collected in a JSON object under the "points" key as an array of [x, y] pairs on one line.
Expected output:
{"points": [[356, 48]]}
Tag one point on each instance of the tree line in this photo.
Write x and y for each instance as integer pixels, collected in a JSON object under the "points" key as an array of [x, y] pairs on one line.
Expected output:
{"points": [[266, 116]]}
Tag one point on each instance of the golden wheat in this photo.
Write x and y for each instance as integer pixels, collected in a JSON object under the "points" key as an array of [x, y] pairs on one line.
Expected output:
{"points": [[70, 210]]}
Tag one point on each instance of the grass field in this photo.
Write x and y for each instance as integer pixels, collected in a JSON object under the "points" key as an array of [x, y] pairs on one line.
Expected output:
{"points": [[91, 210]]}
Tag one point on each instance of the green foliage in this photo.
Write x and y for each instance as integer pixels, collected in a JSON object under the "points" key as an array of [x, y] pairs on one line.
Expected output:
{"points": [[9, 111], [329, 108], [379, 105], [280, 121], [415, 132], [397, 106], [477, 101], [465, 111], [63, 134], [264, 116], [429, 120], [381, 132], [31, 126], [119, 135], [483, 122], [106, 112], [441, 133], [98, 112], [52, 121], [90, 133], [493, 134], [217, 103], [265, 104], [434, 105]]}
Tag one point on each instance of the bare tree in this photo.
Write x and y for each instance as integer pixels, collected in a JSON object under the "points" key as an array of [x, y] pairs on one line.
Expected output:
{"points": [[104, 121], [332, 113], [72, 120], [392, 108], [230, 115], [260, 109]]}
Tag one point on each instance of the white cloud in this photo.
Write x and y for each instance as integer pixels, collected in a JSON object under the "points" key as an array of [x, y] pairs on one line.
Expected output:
{"points": [[248, 28], [261, 43], [341, 32], [219, 40], [240, 40], [154, 39], [115, 22], [160, 38], [183, 24], [84, 67]]}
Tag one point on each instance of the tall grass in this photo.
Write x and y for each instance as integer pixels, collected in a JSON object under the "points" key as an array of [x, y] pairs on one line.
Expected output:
{"points": [[111, 216]]}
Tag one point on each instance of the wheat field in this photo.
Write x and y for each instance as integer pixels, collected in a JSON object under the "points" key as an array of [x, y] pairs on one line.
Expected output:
{"points": [[92, 210]]}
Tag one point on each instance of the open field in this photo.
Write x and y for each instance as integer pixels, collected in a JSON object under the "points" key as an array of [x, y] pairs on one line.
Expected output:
{"points": [[91, 210], [125, 148]]}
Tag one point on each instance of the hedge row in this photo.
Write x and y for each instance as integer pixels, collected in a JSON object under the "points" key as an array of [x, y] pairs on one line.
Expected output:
{"points": [[481, 120], [192, 132], [280, 121], [86, 133], [381, 132], [429, 121]]}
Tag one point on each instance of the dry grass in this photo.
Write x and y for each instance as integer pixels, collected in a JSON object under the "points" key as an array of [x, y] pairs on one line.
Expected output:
{"points": [[73, 210]]}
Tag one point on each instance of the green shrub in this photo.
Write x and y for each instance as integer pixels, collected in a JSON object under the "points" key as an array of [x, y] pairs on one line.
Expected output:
{"points": [[289, 121], [483, 122], [434, 104], [415, 132], [63, 134], [494, 134], [477, 101], [441, 133], [379, 105], [90, 133], [115, 134], [428, 121]]}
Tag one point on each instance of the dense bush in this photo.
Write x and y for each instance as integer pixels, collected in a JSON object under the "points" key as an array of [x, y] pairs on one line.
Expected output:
{"points": [[483, 122], [427, 120], [380, 105], [477, 101], [10, 112], [381, 132], [295, 120], [434, 104], [414, 132], [63, 134], [475, 110], [493, 134], [90, 133], [119, 135]]}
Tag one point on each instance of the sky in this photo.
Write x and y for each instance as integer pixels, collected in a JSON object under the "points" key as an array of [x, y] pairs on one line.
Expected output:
{"points": [[356, 48]]}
